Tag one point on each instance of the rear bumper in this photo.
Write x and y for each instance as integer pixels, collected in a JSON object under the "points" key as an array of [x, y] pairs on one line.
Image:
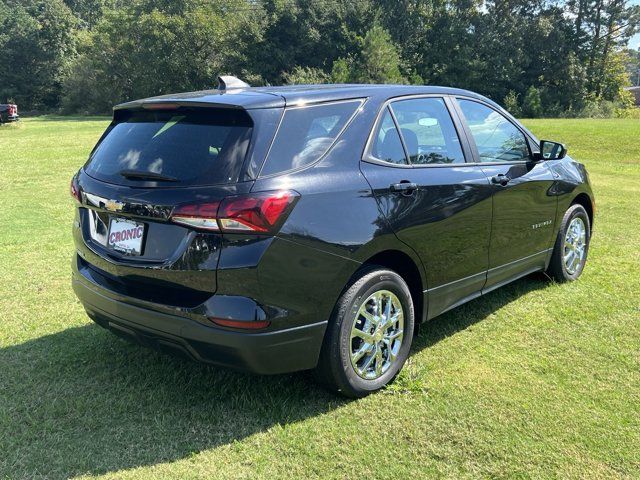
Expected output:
{"points": [[11, 118], [269, 352]]}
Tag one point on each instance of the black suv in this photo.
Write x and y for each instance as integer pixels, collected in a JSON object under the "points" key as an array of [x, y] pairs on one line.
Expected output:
{"points": [[312, 227]]}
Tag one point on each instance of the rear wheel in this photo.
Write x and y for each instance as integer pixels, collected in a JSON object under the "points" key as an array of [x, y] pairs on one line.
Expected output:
{"points": [[572, 245], [369, 335]]}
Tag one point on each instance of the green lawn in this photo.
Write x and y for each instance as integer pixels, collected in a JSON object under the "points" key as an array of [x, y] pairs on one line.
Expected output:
{"points": [[533, 380]]}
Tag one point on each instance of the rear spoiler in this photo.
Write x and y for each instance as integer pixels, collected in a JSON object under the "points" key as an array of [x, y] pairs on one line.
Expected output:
{"points": [[171, 104]]}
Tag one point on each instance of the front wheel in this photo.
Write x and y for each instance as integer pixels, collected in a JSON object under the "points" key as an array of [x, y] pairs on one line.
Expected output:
{"points": [[369, 335], [572, 245]]}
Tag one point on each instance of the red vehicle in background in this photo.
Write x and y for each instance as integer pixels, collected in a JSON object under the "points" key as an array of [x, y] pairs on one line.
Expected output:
{"points": [[8, 112]]}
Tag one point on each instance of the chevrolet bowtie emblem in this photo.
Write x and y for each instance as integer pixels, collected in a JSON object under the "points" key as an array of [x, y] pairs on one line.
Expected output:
{"points": [[113, 205]]}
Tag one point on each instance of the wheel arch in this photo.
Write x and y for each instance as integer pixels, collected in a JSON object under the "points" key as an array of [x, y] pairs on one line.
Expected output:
{"points": [[587, 203], [405, 266]]}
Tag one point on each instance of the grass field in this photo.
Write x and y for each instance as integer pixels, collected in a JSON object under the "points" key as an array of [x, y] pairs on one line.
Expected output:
{"points": [[534, 380]]}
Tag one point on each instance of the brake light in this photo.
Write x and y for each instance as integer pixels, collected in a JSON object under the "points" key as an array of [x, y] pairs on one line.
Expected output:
{"points": [[258, 213], [74, 189], [160, 106]]}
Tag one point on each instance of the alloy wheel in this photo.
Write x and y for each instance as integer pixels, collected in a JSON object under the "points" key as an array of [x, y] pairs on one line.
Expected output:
{"points": [[575, 245], [376, 334]]}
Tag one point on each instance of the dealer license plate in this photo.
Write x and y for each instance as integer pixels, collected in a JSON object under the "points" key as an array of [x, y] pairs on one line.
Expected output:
{"points": [[126, 236]]}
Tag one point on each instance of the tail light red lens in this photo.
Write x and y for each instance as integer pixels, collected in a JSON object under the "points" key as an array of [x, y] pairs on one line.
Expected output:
{"points": [[74, 190], [257, 213], [261, 212]]}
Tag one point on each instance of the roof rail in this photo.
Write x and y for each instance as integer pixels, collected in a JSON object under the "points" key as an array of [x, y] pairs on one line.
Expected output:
{"points": [[227, 82]]}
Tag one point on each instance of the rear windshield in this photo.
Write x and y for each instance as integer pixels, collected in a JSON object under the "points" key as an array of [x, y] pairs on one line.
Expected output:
{"points": [[306, 133], [173, 148]]}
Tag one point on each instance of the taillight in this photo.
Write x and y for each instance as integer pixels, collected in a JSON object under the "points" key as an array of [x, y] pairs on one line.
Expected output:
{"points": [[201, 215], [74, 189], [260, 212]]}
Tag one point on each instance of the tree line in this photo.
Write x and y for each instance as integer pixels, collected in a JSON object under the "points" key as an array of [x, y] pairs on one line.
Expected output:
{"points": [[537, 57]]}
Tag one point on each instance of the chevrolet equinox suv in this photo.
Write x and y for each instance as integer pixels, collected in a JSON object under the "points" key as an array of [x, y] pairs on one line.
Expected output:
{"points": [[279, 229]]}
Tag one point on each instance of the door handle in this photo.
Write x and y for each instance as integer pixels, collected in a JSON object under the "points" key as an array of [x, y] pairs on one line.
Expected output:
{"points": [[405, 187], [500, 179]]}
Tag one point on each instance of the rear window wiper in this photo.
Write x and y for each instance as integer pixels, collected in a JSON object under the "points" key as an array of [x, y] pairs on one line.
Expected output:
{"points": [[142, 175]]}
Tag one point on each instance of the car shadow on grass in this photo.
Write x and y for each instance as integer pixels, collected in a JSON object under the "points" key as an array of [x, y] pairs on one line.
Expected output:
{"points": [[83, 401], [476, 310]]}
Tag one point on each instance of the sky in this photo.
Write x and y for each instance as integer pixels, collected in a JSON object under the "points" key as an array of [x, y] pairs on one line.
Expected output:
{"points": [[635, 40]]}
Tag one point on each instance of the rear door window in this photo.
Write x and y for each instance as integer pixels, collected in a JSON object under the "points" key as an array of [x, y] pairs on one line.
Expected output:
{"points": [[428, 131], [306, 134], [387, 145], [179, 147]]}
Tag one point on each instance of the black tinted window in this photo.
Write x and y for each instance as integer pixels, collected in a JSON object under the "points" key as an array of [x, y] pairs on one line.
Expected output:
{"points": [[193, 147], [306, 133], [387, 145], [497, 139], [428, 131]]}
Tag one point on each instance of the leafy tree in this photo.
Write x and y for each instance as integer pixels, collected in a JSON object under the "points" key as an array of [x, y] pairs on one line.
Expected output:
{"points": [[614, 77], [142, 51], [436, 39], [36, 41], [632, 65], [510, 102], [532, 103], [308, 33], [89, 12], [305, 76], [341, 71], [379, 60]]}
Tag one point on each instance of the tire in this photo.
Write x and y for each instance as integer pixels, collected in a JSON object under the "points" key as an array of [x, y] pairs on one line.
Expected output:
{"points": [[336, 370], [560, 268]]}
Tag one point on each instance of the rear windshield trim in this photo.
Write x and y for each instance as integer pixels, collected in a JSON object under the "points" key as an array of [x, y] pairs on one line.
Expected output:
{"points": [[298, 106]]}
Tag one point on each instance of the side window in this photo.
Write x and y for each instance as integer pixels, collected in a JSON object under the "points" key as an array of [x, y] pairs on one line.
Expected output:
{"points": [[387, 145], [497, 139], [428, 131], [306, 134]]}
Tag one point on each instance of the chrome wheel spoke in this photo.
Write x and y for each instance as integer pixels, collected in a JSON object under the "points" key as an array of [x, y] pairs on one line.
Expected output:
{"points": [[379, 360], [575, 263], [394, 335], [368, 316], [568, 258], [379, 300], [361, 352], [356, 332], [394, 319], [392, 355], [369, 361], [387, 309]]}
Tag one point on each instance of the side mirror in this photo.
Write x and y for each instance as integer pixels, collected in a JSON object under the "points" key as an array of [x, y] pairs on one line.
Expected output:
{"points": [[551, 151]]}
